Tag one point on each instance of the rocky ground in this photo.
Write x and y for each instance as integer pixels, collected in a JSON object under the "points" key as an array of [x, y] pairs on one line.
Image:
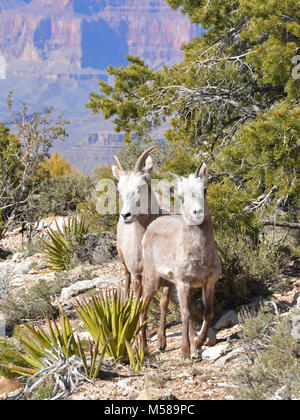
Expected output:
{"points": [[165, 375]]}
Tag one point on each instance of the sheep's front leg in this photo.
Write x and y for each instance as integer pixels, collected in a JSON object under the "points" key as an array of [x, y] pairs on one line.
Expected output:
{"points": [[127, 282], [183, 294], [161, 332]]}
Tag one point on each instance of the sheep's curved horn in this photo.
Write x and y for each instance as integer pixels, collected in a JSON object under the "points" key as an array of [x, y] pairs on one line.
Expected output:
{"points": [[142, 159], [198, 170], [118, 163]]}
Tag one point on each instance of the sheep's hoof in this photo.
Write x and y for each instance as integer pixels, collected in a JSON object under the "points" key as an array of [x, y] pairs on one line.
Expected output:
{"points": [[197, 355], [185, 356]]}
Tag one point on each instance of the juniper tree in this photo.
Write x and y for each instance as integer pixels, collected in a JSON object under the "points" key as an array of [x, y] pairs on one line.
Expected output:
{"points": [[233, 99]]}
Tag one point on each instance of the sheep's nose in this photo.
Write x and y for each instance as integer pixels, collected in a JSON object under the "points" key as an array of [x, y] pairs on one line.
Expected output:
{"points": [[126, 216]]}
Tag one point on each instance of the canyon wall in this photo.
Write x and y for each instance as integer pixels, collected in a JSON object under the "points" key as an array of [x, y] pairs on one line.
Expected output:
{"points": [[57, 50], [92, 33]]}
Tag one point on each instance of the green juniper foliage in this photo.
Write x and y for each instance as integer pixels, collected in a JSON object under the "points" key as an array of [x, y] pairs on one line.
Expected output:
{"points": [[233, 99]]}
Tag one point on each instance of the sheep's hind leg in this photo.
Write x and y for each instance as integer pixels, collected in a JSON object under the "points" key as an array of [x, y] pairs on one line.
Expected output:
{"points": [[208, 300], [149, 290]]}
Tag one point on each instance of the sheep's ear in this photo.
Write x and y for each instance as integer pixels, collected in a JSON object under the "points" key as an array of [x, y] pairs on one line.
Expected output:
{"points": [[115, 171], [148, 168]]}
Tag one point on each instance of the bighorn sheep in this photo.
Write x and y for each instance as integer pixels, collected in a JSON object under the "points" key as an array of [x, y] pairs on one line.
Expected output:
{"points": [[139, 202], [180, 251]]}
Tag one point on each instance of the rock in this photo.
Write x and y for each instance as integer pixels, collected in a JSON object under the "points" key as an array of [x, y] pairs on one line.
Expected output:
{"points": [[132, 394], [228, 357], [18, 256], [23, 268], [211, 337], [155, 394], [227, 320], [6, 268], [99, 249], [169, 335], [214, 353], [129, 392], [79, 397], [123, 383], [84, 286], [15, 269]]}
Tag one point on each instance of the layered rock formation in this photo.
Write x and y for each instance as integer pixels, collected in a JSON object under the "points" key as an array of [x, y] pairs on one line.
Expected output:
{"points": [[96, 150], [92, 33], [57, 50]]}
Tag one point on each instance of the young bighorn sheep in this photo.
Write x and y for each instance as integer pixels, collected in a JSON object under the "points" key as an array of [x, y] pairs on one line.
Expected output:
{"points": [[180, 251], [140, 208]]}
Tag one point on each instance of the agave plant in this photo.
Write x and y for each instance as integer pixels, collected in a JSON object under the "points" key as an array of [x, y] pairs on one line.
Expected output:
{"points": [[61, 245], [136, 354], [114, 320], [39, 344]]}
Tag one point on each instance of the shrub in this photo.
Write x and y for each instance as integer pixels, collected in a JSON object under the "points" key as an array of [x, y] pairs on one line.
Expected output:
{"points": [[98, 248], [114, 320], [274, 369], [35, 304], [44, 391], [61, 195], [4, 253], [99, 223]]}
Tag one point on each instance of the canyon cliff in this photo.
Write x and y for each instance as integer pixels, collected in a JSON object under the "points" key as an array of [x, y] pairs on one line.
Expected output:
{"points": [[57, 50]]}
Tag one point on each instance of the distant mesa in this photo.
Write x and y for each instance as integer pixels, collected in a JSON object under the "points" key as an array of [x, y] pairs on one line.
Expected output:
{"points": [[102, 139], [96, 150]]}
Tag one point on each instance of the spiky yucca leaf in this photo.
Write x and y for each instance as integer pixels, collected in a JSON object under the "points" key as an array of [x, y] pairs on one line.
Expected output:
{"points": [[36, 343], [136, 354], [61, 244], [112, 318]]}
